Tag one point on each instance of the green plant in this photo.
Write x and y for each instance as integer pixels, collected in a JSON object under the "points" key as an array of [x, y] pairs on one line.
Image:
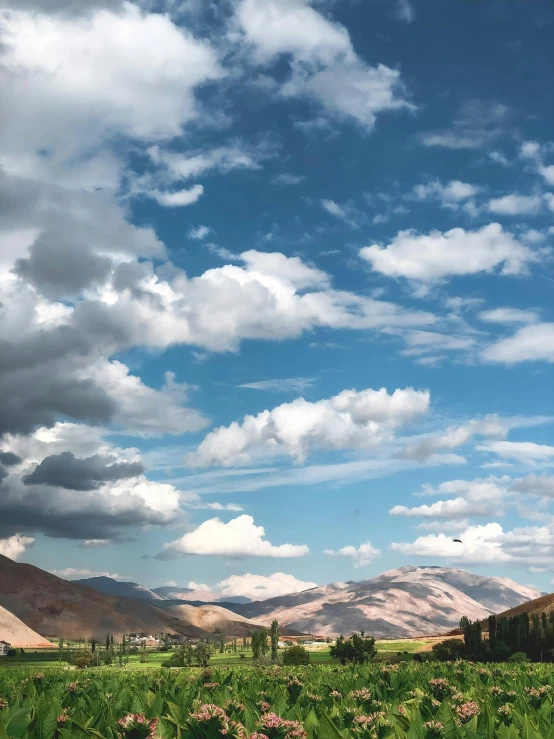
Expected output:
{"points": [[297, 655]]}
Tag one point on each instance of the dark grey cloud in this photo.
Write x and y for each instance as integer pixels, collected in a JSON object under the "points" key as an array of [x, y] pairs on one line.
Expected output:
{"points": [[8, 459], [55, 514], [67, 471], [61, 269]]}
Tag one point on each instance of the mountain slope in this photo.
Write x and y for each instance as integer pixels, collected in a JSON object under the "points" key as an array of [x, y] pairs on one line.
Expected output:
{"points": [[410, 601], [17, 634], [57, 608], [114, 587], [212, 617], [544, 604]]}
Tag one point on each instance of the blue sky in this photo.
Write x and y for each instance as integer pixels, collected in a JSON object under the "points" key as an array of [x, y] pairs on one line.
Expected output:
{"points": [[276, 287]]}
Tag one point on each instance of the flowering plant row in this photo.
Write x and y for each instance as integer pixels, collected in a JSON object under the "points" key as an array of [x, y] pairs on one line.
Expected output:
{"points": [[375, 701]]}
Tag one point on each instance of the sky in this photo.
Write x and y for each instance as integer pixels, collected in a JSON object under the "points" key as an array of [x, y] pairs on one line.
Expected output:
{"points": [[276, 290]]}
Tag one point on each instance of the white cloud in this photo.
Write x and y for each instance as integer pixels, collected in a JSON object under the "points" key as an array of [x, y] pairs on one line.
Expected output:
{"points": [[89, 77], [221, 507], [531, 546], [523, 451], [183, 166], [271, 297], [348, 420], [437, 256], [509, 315], [542, 485], [334, 209], [288, 179], [362, 556], [480, 544], [454, 437], [515, 205], [70, 573], [178, 198], [473, 498], [284, 385], [103, 510], [261, 587], [240, 537], [535, 153], [16, 545], [323, 63], [94, 543], [199, 233], [405, 11], [476, 124], [453, 194], [529, 344]]}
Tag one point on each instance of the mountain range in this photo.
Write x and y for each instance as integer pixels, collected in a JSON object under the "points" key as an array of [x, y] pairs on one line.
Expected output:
{"points": [[406, 602], [409, 601], [58, 608]]}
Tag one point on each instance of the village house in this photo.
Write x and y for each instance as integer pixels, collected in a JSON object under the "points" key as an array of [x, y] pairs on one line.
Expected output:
{"points": [[4, 648]]}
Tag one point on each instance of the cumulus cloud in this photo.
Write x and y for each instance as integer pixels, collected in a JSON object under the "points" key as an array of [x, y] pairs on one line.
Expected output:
{"points": [[261, 587], [240, 537], [71, 573], [437, 256], [39, 493], [530, 546], [515, 205], [454, 437], [67, 471], [533, 343], [284, 385], [476, 124], [323, 64], [362, 555], [523, 451], [405, 11], [348, 420], [454, 194], [178, 198], [473, 498], [508, 316], [90, 76], [14, 546], [199, 232]]}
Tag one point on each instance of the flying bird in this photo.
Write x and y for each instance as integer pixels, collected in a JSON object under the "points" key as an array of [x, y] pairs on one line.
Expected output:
{"points": [[458, 541]]}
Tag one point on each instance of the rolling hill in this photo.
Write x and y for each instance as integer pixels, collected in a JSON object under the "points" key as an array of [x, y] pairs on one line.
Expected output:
{"points": [[410, 601]]}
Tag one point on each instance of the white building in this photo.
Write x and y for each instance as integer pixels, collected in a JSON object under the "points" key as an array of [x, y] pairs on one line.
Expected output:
{"points": [[4, 648]]}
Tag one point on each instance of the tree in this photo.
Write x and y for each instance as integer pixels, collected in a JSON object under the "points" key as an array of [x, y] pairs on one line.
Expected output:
{"points": [[202, 654], [93, 646], [358, 649], [448, 650], [297, 655], [274, 634], [107, 642]]}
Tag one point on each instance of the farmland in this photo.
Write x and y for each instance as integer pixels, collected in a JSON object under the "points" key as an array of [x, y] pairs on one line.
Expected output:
{"points": [[409, 700]]}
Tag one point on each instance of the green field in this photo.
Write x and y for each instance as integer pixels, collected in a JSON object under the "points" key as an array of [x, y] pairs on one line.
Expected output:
{"points": [[376, 701]]}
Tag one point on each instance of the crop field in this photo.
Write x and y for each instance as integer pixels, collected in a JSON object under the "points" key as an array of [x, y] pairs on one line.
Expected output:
{"points": [[317, 702]]}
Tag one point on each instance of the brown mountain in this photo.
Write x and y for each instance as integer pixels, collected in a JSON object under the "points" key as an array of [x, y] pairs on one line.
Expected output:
{"points": [[57, 608], [410, 601], [544, 604]]}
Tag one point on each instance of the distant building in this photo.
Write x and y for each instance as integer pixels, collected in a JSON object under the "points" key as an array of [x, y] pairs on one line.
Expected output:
{"points": [[4, 648]]}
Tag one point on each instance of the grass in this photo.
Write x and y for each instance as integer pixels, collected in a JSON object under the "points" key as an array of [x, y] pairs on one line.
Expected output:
{"points": [[386, 649]]}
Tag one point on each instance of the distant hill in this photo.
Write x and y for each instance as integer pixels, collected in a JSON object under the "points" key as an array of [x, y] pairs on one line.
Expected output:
{"points": [[17, 634], [407, 602], [115, 587], [174, 592], [212, 617]]}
